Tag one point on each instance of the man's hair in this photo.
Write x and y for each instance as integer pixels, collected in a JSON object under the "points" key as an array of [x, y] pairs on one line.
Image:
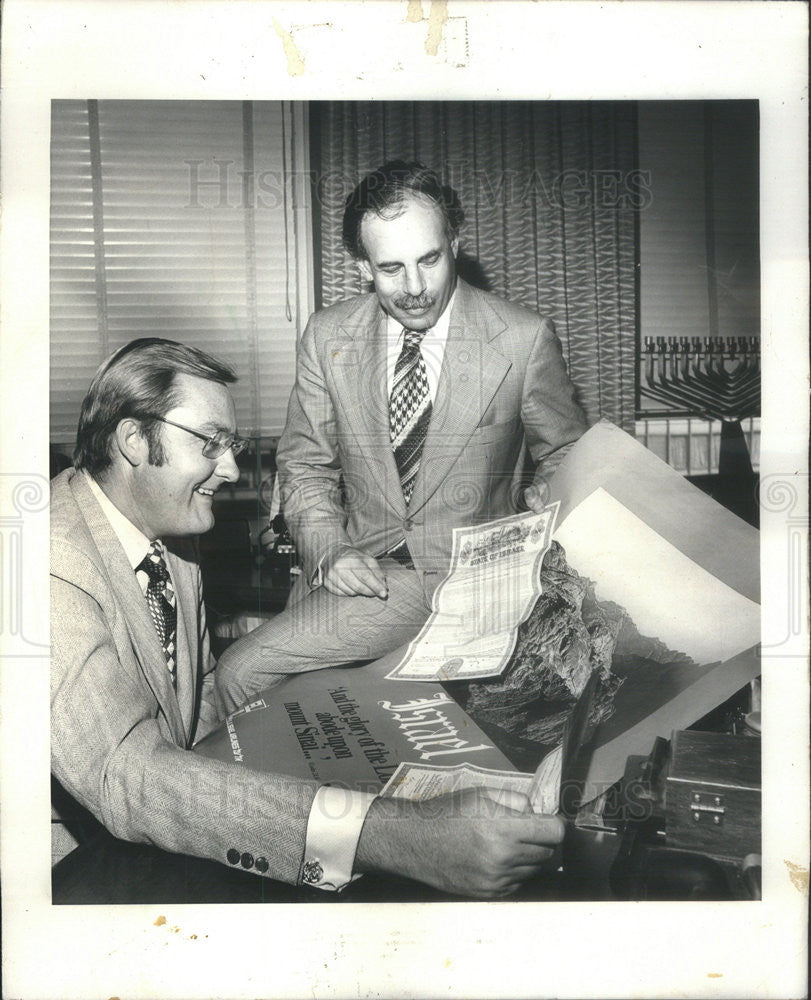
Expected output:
{"points": [[138, 381], [384, 191]]}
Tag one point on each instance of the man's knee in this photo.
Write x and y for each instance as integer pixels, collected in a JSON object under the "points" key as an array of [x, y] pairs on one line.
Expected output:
{"points": [[230, 676], [255, 661]]}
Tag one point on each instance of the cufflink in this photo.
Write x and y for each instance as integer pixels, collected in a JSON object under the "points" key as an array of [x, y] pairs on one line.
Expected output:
{"points": [[312, 873]]}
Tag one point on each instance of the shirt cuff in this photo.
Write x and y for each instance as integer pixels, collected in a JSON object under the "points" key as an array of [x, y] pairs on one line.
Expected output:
{"points": [[317, 576], [333, 831]]}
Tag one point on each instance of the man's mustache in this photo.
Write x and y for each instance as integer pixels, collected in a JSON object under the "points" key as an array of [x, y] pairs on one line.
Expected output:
{"points": [[414, 302]]}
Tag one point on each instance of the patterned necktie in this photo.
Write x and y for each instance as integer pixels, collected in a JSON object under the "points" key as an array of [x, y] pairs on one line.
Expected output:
{"points": [[409, 410], [160, 597]]}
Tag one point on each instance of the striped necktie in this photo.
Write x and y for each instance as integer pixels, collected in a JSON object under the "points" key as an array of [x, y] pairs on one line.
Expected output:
{"points": [[409, 410], [160, 597]]}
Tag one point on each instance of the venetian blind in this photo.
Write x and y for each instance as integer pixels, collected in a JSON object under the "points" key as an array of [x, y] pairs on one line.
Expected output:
{"points": [[175, 219]]}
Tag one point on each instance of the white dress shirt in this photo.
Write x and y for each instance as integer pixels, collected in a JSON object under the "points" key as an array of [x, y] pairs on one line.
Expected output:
{"points": [[336, 814], [134, 542], [432, 348]]}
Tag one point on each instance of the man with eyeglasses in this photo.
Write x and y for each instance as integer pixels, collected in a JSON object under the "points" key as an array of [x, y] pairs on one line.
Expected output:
{"points": [[132, 677]]}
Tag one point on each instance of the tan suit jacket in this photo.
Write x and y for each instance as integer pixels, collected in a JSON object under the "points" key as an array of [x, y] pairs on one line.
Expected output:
{"points": [[504, 403], [120, 735]]}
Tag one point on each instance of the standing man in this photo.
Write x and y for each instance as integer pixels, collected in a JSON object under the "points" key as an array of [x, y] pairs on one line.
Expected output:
{"points": [[416, 409], [132, 678]]}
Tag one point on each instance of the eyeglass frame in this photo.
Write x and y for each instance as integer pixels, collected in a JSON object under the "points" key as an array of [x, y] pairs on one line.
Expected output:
{"points": [[237, 444]]}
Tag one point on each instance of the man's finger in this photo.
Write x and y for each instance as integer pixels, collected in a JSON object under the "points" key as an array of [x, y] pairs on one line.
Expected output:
{"points": [[354, 583], [367, 581], [355, 573], [375, 578], [526, 859], [509, 798], [536, 496], [335, 584], [347, 584], [539, 829]]}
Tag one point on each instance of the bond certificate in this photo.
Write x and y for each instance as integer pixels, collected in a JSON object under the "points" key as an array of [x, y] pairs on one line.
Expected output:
{"points": [[426, 781], [492, 585]]}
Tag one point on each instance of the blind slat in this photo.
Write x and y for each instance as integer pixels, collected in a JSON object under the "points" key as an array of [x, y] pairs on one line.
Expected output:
{"points": [[174, 245]]}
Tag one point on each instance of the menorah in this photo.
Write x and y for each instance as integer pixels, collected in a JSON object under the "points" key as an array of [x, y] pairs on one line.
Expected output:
{"points": [[717, 378], [714, 377]]}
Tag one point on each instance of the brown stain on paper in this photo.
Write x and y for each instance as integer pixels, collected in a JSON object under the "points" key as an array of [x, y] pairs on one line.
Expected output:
{"points": [[414, 13], [160, 921], [437, 16], [295, 61], [436, 23], [798, 876]]}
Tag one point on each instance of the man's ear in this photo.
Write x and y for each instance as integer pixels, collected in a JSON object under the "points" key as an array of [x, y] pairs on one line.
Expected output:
{"points": [[455, 246], [365, 270], [131, 442]]}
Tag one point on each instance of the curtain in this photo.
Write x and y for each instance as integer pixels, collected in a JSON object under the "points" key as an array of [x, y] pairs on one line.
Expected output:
{"points": [[699, 238], [174, 219], [550, 192]]}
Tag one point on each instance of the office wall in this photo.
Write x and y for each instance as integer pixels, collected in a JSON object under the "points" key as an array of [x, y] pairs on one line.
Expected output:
{"points": [[698, 237]]}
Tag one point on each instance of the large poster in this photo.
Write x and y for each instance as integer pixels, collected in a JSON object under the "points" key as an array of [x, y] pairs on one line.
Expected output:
{"points": [[678, 572]]}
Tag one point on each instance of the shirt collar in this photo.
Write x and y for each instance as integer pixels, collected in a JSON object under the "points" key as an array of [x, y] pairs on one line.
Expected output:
{"points": [[394, 329], [134, 542]]}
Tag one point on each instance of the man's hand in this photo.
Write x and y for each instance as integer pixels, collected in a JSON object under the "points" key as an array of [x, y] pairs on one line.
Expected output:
{"points": [[474, 842], [536, 496], [353, 573]]}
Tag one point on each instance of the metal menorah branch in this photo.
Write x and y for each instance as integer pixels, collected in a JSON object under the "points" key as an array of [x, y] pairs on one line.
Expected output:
{"points": [[716, 377]]}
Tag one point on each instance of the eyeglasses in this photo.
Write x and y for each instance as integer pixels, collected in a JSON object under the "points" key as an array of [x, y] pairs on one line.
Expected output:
{"points": [[215, 444]]}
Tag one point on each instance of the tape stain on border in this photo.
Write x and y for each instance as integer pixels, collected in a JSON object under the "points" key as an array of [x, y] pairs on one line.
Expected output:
{"points": [[436, 24], [295, 61], [798, 876], [414, 12]]}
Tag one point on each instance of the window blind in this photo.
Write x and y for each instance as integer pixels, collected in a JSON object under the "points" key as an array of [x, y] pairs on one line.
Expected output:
{"points": [[176, 219]]}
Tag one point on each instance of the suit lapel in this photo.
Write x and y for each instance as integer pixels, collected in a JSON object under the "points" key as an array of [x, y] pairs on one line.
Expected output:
{"points": [[471, 373], [359, 372], [187, 636], [145, 643]]}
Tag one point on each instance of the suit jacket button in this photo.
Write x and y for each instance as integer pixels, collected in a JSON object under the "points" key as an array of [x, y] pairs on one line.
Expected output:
{"points": [[247, 860], [408, 524], [233, 856], [261, 865]]}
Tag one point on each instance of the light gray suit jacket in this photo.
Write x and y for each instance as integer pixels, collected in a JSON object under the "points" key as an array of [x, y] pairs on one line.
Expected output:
{"points": [[504, 402], [120, 735]]}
